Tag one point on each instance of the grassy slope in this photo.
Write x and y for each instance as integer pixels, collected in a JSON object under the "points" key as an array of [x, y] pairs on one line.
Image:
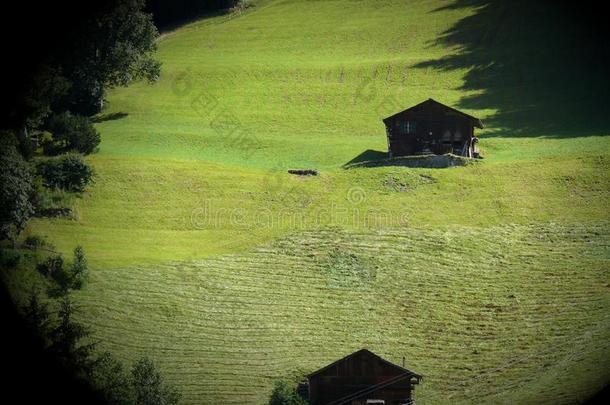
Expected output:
{"points": [[499, 268]]}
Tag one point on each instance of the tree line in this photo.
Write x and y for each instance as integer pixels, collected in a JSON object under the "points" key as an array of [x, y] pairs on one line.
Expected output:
{"points": [[63, 57], [56, 88], [169, 13], [70, 345], [47, 128]]}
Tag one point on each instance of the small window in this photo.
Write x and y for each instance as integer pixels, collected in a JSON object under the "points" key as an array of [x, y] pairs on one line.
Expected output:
{"points": [[408, 127], [446, 137]]}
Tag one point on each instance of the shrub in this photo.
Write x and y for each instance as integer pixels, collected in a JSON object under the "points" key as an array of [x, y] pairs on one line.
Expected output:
{"points": [[149, 387], [15, 188], [51, 266], [68, 172], [50, 202], [66, 341], [36, 315], [10, 258], [34, 242], [71, 133], [73, 278], [112, 381], [240, 6], [285, 394], [80, 271]]}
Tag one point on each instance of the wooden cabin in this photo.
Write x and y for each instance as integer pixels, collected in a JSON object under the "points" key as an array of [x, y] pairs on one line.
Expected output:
{"points": [[432, 127], [362, 378]]}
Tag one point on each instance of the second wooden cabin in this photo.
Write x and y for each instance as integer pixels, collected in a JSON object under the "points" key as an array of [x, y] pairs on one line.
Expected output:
{"points": [[359, 379]]}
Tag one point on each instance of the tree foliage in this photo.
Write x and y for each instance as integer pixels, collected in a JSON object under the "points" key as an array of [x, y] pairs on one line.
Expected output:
{"points": [[114, 47], [66, 339], [52, 265], [80, 270], [143, 385], [66, 279], [36, 315], [111, 46], [69, 343], [15, 189], [106, 44], [285, 393], [47, 87], [148, 385], [68, 172], [71, 133], [110, 379]]}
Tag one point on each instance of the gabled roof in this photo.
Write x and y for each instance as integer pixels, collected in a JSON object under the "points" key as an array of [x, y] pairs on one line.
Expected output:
{"points": [[430, 102], [369, 353]]}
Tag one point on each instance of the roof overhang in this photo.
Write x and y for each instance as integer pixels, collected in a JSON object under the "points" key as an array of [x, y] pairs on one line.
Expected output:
{"points": [[404, 370], [474, 120]]}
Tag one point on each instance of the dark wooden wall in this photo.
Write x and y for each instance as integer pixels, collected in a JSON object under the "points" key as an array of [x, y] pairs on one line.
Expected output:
{"points": [[356, 373], [440, 133]]}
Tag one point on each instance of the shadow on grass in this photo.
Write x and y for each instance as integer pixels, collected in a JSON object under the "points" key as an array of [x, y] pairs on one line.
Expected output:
{"points": [[109, 117], [430, 161], [373, 158], [367, 155], [543, 66]]}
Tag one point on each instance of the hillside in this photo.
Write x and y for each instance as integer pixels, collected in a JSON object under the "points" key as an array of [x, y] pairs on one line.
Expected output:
{"points": [[493, 279]]}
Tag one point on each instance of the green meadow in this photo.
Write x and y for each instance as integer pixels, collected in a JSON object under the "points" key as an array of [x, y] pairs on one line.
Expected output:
{"points": [[492, 279]]}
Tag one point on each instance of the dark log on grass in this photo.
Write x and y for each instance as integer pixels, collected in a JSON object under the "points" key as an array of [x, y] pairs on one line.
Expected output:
{"points": [[304, 172]]}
